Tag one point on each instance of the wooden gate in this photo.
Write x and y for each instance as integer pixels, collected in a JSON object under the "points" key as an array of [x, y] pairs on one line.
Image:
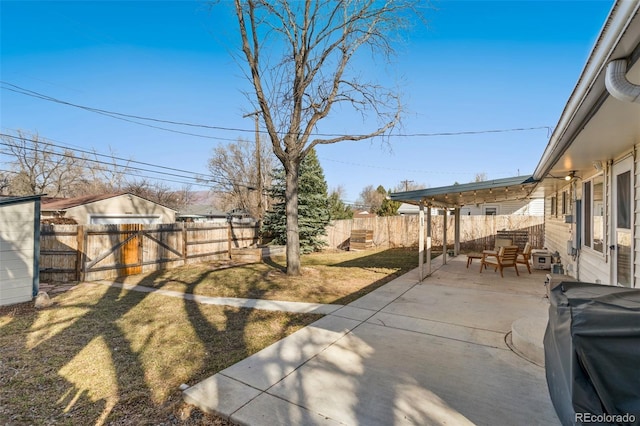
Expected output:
{"points": [[126, 249]]}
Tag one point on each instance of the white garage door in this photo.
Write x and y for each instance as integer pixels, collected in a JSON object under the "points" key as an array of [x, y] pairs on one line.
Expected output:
{"points": [[124, 219]]}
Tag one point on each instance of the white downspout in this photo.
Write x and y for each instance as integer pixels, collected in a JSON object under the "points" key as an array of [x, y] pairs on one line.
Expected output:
{"points": [[618, 85]]}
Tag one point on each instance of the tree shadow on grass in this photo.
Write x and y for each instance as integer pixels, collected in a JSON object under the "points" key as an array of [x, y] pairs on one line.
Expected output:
{"points": [[72, 362], [400, 260], [239, 333]]}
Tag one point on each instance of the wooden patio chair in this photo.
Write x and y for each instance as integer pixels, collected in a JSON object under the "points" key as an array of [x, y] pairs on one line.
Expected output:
{"points": [[523, 258], [506, 258], [500, 243]]}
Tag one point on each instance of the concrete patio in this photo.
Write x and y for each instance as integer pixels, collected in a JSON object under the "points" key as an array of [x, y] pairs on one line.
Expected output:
{"points": [[424, 353]]}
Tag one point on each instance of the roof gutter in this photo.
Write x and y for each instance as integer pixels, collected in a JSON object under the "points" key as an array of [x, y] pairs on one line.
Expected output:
{"points": [[619, 18]]}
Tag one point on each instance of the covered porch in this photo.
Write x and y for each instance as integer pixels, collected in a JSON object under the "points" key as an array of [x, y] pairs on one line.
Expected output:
{"points": [[451, 199]]}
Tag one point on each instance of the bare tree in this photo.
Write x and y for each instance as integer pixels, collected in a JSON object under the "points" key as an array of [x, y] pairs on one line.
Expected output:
{"points": [[5, 182], [159, 193], [371, 198], [298, 53], [234, 175], [108, 172], [41, 168], [480, 177]]}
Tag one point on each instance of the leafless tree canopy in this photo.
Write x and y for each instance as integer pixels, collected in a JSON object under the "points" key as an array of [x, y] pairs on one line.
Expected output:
{"points": [[39, 168], [234, 175], [299, 56]]}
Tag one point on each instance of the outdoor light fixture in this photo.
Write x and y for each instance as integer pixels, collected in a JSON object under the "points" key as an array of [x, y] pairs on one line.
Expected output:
{"points": [[570, 176]]}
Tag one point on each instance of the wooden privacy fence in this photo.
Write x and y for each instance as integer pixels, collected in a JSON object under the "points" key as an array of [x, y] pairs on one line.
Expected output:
{"points": [[93, 252], [476, 232]]}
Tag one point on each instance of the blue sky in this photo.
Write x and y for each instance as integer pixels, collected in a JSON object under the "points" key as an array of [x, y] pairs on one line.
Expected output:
{"points": [[475, 66]]}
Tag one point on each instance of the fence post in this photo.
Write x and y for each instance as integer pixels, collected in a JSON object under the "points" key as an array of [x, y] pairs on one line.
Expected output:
{"points": [[80, 253], [229, 232], [184, 242]]}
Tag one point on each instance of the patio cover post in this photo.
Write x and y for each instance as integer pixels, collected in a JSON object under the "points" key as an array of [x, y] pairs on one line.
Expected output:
{"points": [[428, 240], [444, 238], [456, 247], [421, 241]]}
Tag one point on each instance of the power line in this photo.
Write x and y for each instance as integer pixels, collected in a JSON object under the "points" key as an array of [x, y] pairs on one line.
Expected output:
{"points": [[131, 117], [197, 178]]}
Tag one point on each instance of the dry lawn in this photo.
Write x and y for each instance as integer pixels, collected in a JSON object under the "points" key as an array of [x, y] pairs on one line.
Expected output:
{"points": [[103, 355], [327, 277]]}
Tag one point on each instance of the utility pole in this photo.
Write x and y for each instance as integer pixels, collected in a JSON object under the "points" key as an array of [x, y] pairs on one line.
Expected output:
{"points": [[256, 115], [406, 184]]}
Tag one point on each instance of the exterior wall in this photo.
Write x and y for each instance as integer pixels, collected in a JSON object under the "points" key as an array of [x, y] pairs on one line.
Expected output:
{"points": [[122, 208], [534, 207], [557, 233], [17, 252]]}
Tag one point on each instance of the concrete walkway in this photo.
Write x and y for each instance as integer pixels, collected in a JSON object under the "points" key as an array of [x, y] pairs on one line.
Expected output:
{"points": [[425, 353], [268, 305]]}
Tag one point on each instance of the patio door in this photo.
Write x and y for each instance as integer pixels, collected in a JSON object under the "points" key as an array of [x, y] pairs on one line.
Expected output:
{"points": [[622, 221]]}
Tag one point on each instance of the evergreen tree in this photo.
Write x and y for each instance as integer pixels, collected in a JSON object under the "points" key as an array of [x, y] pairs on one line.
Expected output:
{"points": [[337, 208], [313, 206], [388, 207]]}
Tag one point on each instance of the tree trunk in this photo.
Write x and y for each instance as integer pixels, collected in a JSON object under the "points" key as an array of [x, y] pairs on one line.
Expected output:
{"points": [[293, 238]]}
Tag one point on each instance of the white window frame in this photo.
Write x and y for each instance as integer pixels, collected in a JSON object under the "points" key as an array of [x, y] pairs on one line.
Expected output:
{"points": [[591, 208], [491, 206]]}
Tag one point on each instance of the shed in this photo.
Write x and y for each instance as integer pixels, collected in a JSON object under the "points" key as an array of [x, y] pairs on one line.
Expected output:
{"points": [[19, 248]]}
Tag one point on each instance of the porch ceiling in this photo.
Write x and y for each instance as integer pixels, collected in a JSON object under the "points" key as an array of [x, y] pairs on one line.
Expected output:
{"points": [[492, 191]]}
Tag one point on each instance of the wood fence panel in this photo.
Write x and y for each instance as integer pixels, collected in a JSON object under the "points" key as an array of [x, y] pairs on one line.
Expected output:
{"points": [[206, 242], [162, 247], [476, 232], [94, 252], [58, 246]]}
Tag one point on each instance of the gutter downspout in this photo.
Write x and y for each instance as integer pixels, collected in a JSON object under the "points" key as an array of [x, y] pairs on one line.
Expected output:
{"points": [[618, 85]]}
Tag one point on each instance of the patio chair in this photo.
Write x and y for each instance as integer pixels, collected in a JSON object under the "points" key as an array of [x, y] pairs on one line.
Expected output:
{"points": [[500, 243], [523, 258], [506, 258]]}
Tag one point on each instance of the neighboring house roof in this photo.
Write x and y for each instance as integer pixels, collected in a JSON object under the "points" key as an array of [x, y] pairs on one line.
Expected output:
{"points": [[67, 203], [201, 210], [8, 199], [490, 191]]}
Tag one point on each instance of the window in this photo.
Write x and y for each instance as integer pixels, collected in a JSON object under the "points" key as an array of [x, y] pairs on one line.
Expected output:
{"points": [[490, 211], [565, 203], [593, 201], [554, 208]]}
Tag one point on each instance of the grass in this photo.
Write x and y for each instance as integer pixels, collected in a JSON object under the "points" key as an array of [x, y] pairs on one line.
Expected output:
{"points": [[327, 277], [102, 355]]}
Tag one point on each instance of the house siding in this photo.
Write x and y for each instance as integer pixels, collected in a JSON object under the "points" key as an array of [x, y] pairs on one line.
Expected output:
{"points": [[557, 232], [17, 252], [556, 235], [533, 207]]}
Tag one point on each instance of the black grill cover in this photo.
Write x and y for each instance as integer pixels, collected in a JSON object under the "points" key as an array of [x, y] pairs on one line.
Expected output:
{"points": [[592, 353]]}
